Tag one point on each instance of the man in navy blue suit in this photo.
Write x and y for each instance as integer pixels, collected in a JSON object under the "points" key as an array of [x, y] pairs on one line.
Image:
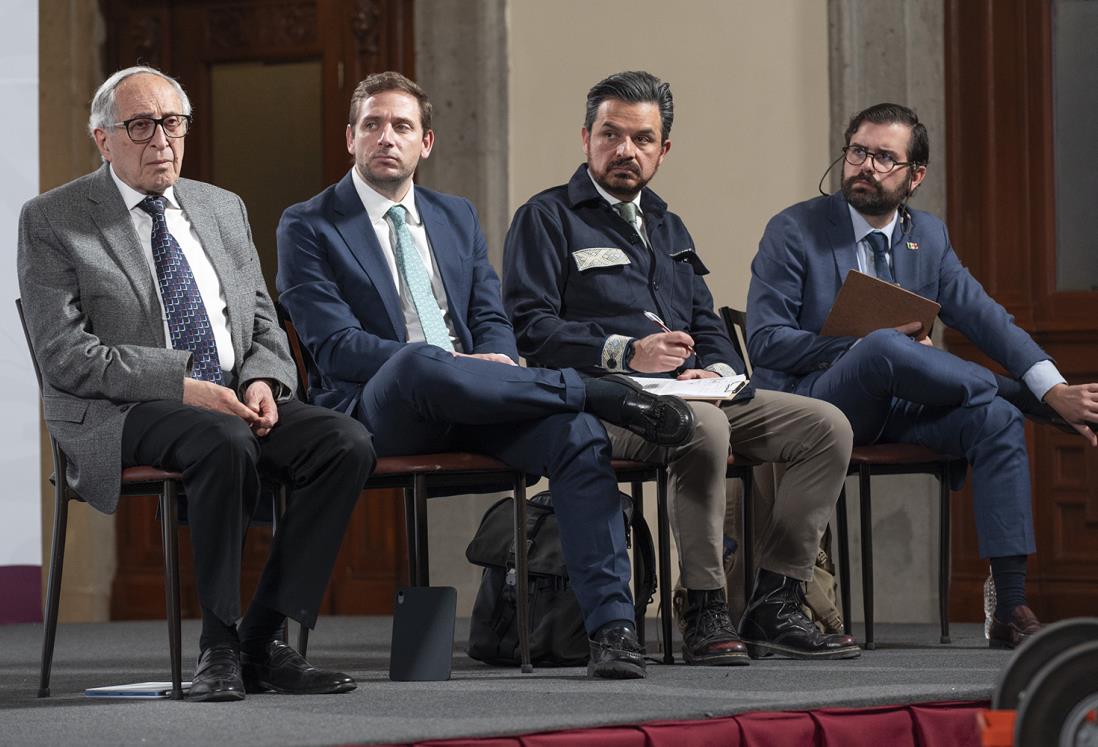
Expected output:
{"points": [[891, 386], [391, 291]]}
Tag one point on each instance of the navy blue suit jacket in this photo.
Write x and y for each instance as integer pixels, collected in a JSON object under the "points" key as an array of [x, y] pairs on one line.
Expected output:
{"points": [[803, 258], [337, 287]]}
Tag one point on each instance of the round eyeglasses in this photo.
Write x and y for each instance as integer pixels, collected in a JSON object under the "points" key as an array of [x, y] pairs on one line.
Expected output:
{"points": [[883, 163], [142, 129]]}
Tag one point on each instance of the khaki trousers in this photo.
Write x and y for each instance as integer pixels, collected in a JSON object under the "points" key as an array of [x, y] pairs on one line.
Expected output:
{"points": [[811, 438]]}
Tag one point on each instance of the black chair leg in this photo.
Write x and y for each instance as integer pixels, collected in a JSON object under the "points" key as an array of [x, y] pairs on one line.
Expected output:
{"points": [[53, 588], [278, 498], [944, 553], [169, 543], [748, 549], [522, 578], [867, 553], [419, 497], [844, 557], [641, 605], [663, 529], [410, 534]]}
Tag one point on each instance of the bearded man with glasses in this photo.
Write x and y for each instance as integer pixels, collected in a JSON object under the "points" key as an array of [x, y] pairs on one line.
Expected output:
{"points": [[892, 386], [159, 346]]}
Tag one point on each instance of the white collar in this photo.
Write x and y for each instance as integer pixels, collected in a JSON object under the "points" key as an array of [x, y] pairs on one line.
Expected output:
{"points": [[863, 229], [377, 204], [133, 198], [610, 198]]}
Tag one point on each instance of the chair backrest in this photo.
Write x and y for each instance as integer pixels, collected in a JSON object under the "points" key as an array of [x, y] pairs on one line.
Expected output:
{"points": [[30, 348], [60, 461], [302, 360], [736, 323]]}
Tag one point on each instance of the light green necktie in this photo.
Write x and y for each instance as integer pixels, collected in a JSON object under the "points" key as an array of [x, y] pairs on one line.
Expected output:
{"points": [[414, 274], [628, 212]]}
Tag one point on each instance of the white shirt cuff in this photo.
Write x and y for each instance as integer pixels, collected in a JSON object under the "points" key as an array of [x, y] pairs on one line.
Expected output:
{"points": [[1042, 376], [612, 351], [721, 369]]}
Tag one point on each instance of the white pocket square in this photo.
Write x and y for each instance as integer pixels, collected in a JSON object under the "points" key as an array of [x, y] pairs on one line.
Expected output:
{"points": [[608, 256]]}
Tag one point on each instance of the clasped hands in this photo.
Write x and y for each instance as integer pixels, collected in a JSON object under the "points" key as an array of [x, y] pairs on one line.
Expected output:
{"points": [[258, 409]]}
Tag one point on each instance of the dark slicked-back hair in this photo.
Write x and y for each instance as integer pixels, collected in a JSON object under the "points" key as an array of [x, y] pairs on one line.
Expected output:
{"points": [[635, 87], [390, 81], [918, 150]]}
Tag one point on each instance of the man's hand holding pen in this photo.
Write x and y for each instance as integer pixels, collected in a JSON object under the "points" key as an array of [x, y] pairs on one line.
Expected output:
{"points": [[661, 352]]}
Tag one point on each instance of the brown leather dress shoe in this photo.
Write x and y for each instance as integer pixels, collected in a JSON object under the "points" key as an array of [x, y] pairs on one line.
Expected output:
{"points": [[1021, 625]]}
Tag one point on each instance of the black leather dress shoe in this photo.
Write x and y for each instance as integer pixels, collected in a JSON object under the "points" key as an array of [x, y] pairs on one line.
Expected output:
{"points": [[774, 623], [616, 654], [663, 420], [284, 670], [217, 676], [1018, 394]]}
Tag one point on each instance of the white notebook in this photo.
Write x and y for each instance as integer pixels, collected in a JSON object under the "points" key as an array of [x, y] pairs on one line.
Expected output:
{"points": [[722, 387], [134, 690]]}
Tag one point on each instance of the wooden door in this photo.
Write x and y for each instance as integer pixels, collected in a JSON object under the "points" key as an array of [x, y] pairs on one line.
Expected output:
{"points": [[1002, 195], [270, 83]]}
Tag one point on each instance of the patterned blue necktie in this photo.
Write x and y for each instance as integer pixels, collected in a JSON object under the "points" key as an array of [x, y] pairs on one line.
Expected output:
{"points": [[188, 322], [878, 242], [414, 274]]}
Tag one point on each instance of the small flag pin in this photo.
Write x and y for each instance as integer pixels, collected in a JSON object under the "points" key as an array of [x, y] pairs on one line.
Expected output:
{"points": [[913, 246]]}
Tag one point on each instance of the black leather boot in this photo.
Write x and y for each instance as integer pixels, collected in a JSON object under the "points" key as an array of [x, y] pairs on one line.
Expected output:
{"points": [[774, 623], [708, 636]]}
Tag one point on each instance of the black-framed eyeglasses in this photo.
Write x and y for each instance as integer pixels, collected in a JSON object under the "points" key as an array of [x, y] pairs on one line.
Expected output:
{"points": [[883, 163], [142, 129]]}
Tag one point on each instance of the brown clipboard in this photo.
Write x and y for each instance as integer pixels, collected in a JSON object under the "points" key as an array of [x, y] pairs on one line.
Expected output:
{"points": [[866, 304]]}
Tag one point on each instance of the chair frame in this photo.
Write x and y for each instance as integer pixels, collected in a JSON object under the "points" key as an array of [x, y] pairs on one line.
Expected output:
{"points": [[167, 486], [865, 462], [417, 475]]}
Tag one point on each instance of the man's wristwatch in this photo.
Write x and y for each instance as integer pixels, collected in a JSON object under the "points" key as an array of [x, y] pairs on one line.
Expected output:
{"points": [[627, 355]]}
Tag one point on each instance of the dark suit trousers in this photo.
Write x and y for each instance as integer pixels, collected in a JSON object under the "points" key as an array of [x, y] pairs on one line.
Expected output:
{"points": [[424, 399], [325, 458], [895, 390]]}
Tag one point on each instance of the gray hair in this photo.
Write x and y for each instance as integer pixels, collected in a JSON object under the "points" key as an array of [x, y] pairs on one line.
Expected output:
{"points": [[103, 114]]}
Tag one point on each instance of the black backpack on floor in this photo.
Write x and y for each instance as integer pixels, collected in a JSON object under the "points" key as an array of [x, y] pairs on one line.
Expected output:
{"points": [[557, 635]]}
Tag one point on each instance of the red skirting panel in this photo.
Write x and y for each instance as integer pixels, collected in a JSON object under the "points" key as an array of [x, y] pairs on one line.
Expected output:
{"points": [[923, 725], [21, 590]]}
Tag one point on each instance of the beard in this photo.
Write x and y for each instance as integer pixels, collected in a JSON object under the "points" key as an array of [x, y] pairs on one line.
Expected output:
{"points": [[622, 187], [875, 200]]}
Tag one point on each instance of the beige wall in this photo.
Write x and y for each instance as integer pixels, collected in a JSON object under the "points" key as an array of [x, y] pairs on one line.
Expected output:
{"points": [[751, 102]]}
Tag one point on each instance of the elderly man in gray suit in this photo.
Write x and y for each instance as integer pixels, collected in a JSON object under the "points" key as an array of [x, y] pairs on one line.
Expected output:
{"points": [[159, 345]]}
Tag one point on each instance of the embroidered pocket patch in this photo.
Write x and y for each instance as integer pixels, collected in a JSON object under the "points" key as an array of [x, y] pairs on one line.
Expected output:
{"points": [[609, 256]]}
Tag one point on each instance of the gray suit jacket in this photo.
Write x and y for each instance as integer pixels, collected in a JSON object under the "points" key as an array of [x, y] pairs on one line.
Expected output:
{"points": [[96, 323]]}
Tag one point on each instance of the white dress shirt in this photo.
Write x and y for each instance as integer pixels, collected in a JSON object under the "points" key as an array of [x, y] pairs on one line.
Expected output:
{"points": [[1041, 376], [614, 201], [377, 205], [209, 285]]}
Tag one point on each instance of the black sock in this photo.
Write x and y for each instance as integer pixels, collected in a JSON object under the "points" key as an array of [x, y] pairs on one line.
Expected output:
{"points": [[215, 632], [259, 627], [605, 398], [1009, 573]]}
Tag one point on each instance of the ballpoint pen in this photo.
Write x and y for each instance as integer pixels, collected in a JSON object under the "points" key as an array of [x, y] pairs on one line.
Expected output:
{"points": [[659, 323]]}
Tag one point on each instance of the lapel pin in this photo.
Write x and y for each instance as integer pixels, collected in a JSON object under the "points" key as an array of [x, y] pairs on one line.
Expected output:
{"points": [[913, 246]]}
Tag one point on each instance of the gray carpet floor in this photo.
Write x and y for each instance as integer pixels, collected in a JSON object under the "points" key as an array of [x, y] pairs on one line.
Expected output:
{"points": [[909, 666]]}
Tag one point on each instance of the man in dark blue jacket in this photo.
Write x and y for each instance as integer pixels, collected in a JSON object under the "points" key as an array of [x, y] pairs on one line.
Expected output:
{"points": [[391, 291], [583, 263], [890, 386]]}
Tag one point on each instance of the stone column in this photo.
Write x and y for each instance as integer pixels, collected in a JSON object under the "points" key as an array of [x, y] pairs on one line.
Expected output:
{"points": [[894, 50], [461, 61], [70, 68]]}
